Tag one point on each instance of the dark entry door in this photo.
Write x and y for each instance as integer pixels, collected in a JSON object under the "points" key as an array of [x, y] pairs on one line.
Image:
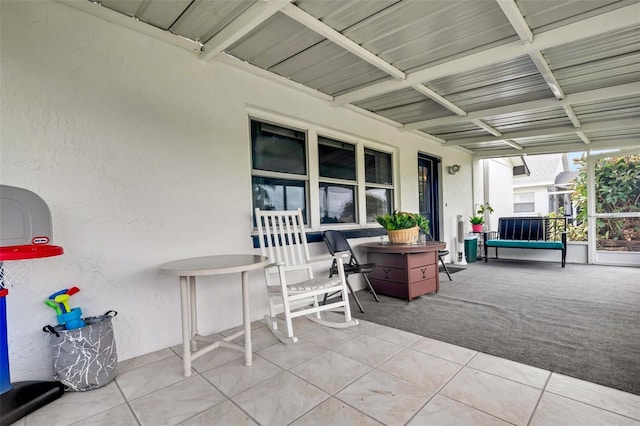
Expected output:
{"points": [[428, 181]]}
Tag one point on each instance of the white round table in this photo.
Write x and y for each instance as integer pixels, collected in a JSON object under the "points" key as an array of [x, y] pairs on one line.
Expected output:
{"points": [[188, 270]]}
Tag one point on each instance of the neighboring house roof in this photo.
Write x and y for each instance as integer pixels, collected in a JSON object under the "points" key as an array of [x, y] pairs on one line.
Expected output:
{"points": [[519, 166], [564, 179], [543, 170]]}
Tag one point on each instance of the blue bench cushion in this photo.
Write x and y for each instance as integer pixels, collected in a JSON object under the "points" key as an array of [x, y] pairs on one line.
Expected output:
{"points": [[556, 245]]}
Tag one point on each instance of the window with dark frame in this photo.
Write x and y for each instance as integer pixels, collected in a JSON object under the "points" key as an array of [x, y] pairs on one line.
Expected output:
{"points": [[279, 167], [337, 169], [280, 175], [379, 183]]}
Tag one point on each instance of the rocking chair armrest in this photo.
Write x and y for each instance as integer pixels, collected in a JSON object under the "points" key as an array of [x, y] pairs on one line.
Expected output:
{"points": [[283, 265], [329, 258], [274, 266]]}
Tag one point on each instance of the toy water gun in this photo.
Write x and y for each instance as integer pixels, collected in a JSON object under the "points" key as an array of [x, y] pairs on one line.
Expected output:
{"points": [[59, 301], [61, 298]]}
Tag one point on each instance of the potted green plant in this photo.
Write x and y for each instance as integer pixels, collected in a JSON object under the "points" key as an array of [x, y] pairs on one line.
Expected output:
{"points": [[478, 220], [403, 227], [476, 223]]}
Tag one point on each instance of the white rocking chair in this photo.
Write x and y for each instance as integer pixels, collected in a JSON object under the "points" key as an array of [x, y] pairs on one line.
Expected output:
{"points": [[291, 285]]}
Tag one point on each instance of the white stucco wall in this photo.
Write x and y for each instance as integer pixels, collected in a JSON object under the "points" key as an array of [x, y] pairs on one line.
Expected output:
{"points": [[142, 153], [498, 186]]}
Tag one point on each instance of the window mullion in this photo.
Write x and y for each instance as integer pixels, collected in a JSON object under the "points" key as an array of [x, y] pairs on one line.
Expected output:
{"points": [[313, 168], [361, 185], [338, 181], [278, 175]]}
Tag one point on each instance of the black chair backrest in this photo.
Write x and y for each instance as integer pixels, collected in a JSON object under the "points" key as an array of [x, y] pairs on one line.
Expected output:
{"points": [[336, 242]]}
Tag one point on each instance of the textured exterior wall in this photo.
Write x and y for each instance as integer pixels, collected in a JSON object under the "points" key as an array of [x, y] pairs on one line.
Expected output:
{"points": [[142, 153], [500, 194]]}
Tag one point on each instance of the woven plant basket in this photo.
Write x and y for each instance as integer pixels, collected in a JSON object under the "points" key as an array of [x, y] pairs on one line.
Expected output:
{"points": [[404, 236]]}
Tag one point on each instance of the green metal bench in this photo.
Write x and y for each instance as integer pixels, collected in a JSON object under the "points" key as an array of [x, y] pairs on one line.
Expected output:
{"points": [[535, 232]]}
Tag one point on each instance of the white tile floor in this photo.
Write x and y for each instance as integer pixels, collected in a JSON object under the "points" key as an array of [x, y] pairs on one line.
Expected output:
{"points": [[364, 375]]}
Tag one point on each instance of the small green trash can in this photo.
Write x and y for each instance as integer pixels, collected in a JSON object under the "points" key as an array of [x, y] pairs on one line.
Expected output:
{"points": [[471, 248]]}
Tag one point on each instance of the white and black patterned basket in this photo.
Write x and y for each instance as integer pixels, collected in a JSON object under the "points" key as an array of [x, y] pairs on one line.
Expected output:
{"points": [[84, 358]]}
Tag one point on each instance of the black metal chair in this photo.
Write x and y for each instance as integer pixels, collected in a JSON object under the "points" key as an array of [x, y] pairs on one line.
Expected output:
{"points": [[441, 255], [337, 243]]}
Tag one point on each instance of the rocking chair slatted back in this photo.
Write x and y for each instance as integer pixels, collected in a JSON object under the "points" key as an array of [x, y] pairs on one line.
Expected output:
{"points": [[282, 236]]}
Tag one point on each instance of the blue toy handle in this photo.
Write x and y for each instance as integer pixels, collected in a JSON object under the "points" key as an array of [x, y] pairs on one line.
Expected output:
{"points": [[58, 293], [72, 320]]}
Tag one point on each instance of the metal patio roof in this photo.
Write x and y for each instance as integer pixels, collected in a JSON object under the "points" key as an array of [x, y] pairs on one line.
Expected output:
{"points": [[495, 77]]}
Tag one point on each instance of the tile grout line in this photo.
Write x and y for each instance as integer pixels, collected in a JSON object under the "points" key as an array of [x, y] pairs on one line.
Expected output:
{"points": [[128, 403], [544, 389], [595, 406], [466, 365]]}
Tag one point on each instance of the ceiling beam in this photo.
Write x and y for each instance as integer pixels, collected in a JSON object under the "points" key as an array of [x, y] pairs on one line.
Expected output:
{"points": [[623, 90], [392, 123], [519, 24], [379, 118], [572, 116], [486, 127], [517, 21], [349, 45], [344, 42], [594, 26], [434, 139], [545, 71], [584, 137], [259, 72], [241, 26], [514, 145], [551, 132], [440, 99]]}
